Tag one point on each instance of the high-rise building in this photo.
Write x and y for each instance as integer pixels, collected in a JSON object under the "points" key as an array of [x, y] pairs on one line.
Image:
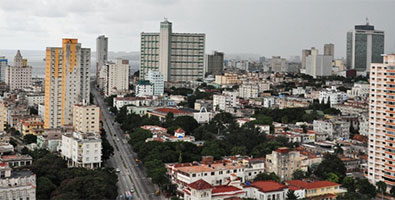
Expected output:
{"points": [[18, 76], [86, 118], [3, 67], [329, 50], [156, 79], [177, 56], [66, 81], [381, 153], [115, 77], [364, 46], [215, 63], [101, 54], [279, 64], [305, 53], [318, 65]]}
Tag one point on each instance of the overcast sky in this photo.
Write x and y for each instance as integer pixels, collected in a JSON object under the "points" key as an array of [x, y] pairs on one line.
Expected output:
{"points": [[265, 27]]}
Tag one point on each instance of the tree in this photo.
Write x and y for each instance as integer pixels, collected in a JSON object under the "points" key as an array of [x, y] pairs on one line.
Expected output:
{"points": [[239, 150], [29, 138], [187, 123], [298, 174], [381, 187], [265, 177], [333, 177], [33, 110], [45, 187], [330, 164], [392, 191], [349, 184], [291, 195], [365, 187]]}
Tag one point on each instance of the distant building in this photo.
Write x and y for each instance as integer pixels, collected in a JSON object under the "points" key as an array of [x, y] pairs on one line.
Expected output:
{"points": [[215, 63], [81, 149], [318, 65], [18, 76], [144, 88], [279, 64], [247, 91], [156, 79], [3, 115], [177, 56], [114, 77], [86, 118], [101, 55], [3, 68], [305, 53], [19, 184], [365, 45], [329, 50], [225, 102]]}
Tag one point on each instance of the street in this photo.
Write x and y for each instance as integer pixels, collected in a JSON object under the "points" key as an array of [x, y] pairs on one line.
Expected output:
{"points": [[131, 175]]}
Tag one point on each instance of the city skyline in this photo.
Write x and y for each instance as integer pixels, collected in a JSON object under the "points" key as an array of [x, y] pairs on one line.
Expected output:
{"points": [[328, 22]]}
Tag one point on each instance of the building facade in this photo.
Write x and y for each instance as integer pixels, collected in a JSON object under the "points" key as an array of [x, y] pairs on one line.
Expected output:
{"points": [[81, 149], [381, 122], [18, 184], [283, 162], [318, 65], [215, 63], [144, 88], [3, 67], [364, 46], [114, 77], [177, 56], [156, 79], [101, 54], [18, 76], [86, 118], [329, 50], [66, 81]]}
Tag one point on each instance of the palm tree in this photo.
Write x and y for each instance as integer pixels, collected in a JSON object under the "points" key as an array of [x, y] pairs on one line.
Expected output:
{"points": [[382, 187]]}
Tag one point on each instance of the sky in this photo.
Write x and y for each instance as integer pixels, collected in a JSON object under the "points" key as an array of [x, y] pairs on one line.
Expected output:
{"points": [[264, 27]]}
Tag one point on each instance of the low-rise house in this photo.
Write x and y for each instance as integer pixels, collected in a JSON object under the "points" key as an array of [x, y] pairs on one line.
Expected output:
{"points": [[318, 189], [162, 136], [17, 184], [352, 164], [81, 149], [266, 190], [5, 146], [201, 190], [16, 160], [216, 173], [162, 112], [335, 128], [119, 102], [283, 162]]}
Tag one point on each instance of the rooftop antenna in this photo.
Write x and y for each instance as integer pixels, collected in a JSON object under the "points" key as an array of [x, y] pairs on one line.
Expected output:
{"points": [[367, 21]]}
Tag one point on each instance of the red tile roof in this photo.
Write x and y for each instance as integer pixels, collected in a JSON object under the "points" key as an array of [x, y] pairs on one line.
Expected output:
{"points": [[225, 188], [200, 185], [179, 130], [268, 186], [173, 110], [311, 185]]}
